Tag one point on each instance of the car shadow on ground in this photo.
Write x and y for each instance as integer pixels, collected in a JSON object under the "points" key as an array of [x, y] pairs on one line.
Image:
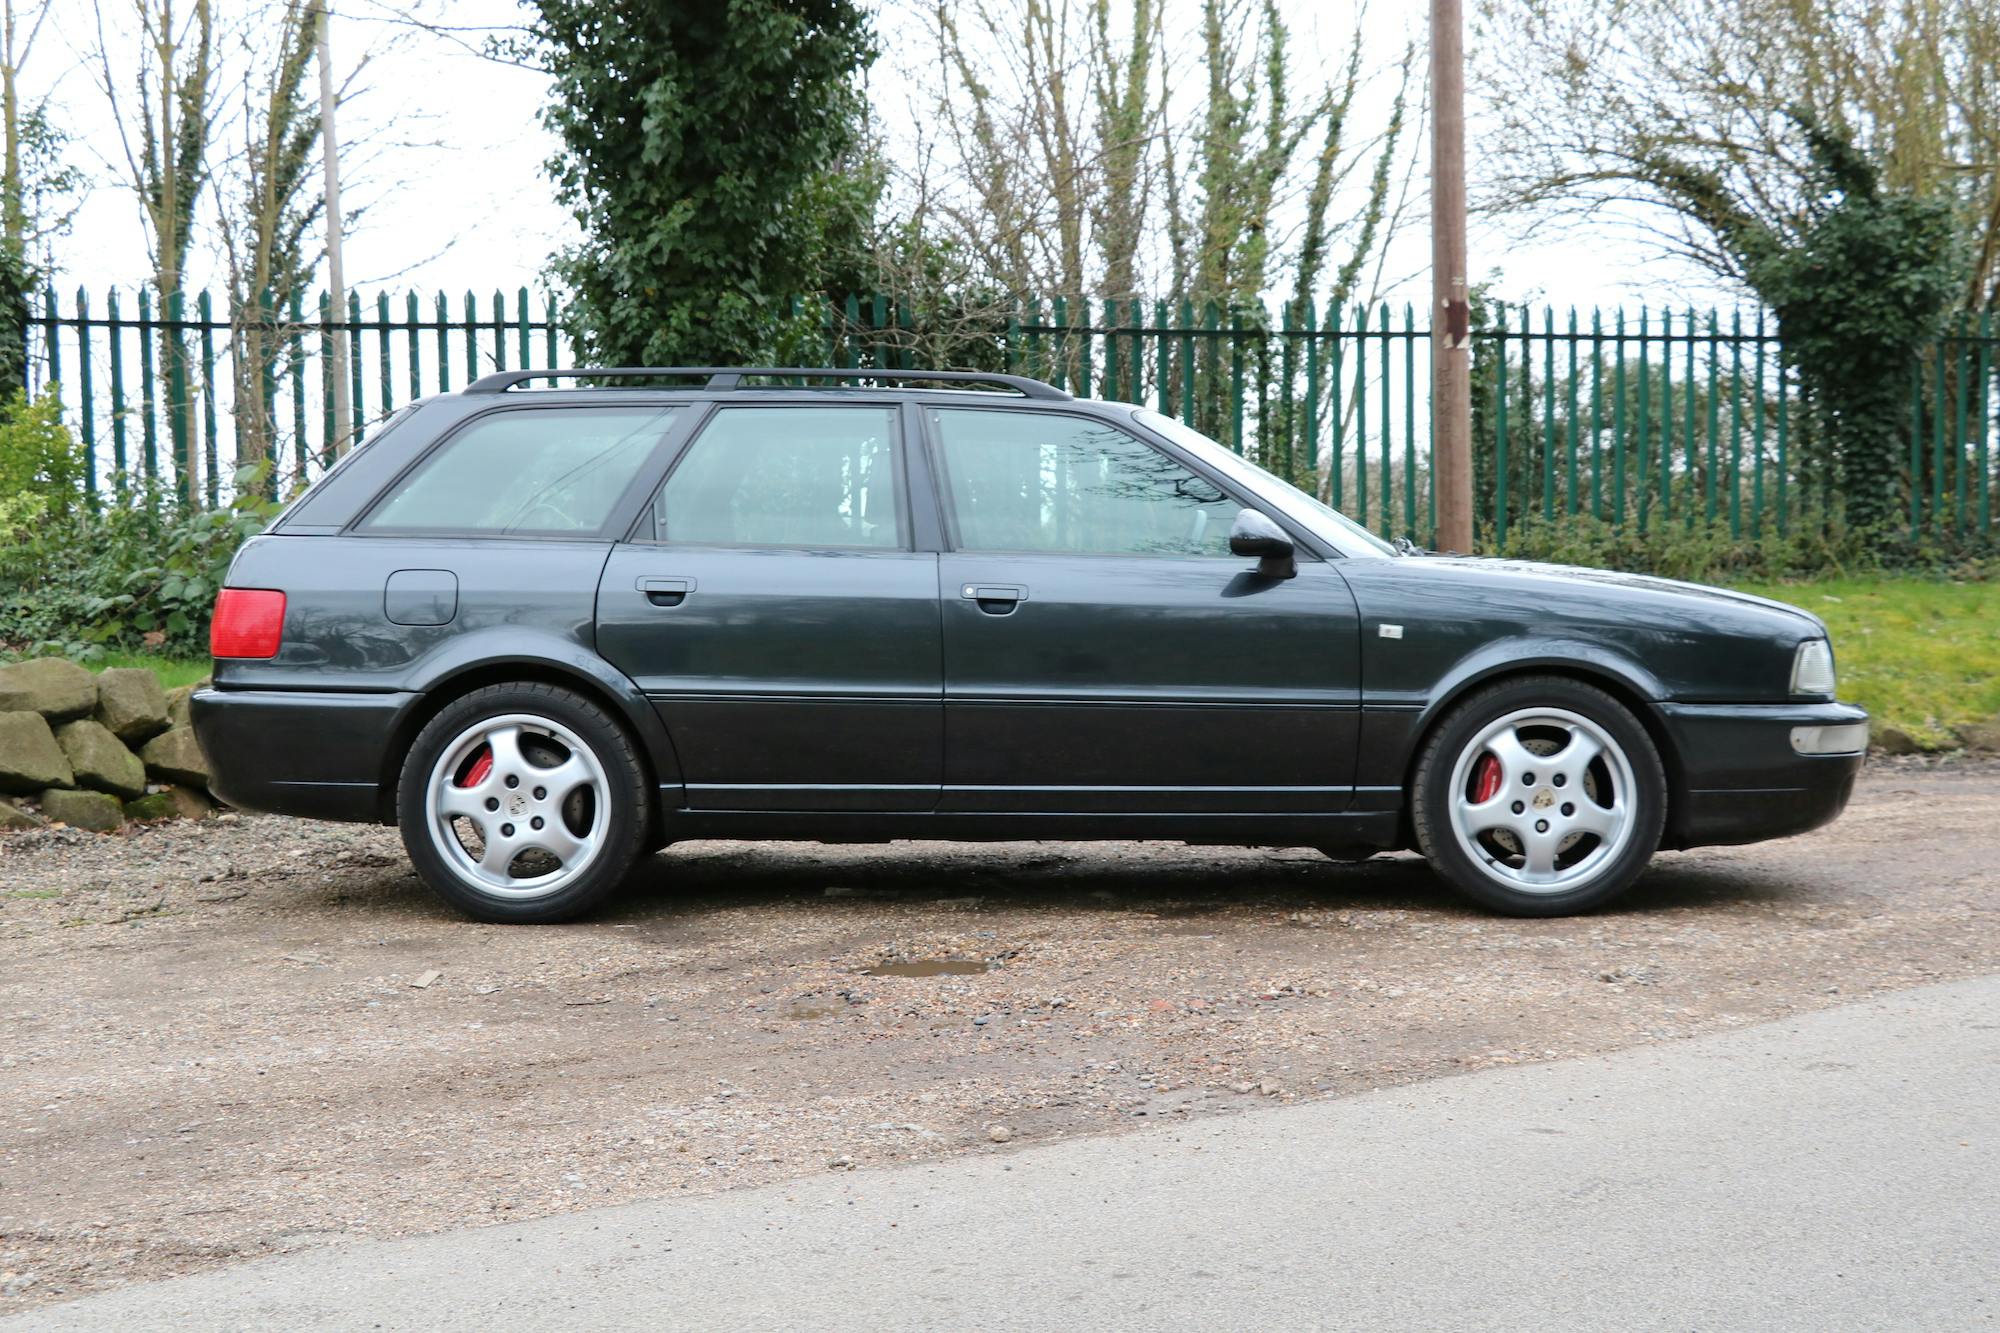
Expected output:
{"points": [[1178, 882], [696, 880]]}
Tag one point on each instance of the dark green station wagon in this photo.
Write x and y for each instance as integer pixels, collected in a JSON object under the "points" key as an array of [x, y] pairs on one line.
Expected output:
{"points": [[547, 631]]}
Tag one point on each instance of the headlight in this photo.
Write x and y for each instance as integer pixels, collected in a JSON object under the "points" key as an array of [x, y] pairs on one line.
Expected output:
{"points": [[1812, 669]]}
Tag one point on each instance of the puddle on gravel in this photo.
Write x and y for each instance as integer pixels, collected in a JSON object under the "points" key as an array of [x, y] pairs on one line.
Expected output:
{"points": [[930, 967]]}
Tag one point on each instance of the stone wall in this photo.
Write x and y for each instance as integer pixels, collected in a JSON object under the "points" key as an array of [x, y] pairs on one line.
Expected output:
{"points": [[95, 750]]}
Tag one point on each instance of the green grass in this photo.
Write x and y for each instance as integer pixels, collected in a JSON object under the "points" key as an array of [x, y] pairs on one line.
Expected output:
{"points": [[1922, 655], [172, 672]]}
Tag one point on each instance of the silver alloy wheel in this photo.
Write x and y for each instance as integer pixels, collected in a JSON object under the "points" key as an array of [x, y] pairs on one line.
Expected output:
{"points": [[535, 799], [1541, 799]]}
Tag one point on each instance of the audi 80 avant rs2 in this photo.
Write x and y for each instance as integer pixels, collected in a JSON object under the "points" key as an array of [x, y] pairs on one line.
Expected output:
{"points": [[546, 631]]}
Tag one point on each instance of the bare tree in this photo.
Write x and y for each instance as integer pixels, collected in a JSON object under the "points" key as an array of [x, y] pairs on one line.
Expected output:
{"points": [[270, 209], [164, 108], [1084, 167], [1672, 113]]}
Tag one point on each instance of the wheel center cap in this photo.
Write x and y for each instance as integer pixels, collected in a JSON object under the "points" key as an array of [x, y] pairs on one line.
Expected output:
{"points": [[517, 804], [1544, 799]]}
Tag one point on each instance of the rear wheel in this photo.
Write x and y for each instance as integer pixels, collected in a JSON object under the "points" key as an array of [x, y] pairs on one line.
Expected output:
{"points": [[523, 802], [1541, 796]]}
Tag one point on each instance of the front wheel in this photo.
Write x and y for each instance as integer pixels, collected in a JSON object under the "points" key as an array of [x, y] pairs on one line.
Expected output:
{"points": [[1541, 796], [523, 803]]}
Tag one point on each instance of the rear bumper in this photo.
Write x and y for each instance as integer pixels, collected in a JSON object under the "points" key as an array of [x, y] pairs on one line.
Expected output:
{"points": [[1740, 779], [298, 752]]}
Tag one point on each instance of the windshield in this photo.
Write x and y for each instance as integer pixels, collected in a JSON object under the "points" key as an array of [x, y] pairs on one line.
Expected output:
{"points": [[1350, 537]]}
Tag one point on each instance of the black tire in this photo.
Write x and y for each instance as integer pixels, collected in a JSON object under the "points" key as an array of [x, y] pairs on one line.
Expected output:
{"points": [[1485, 881], [627, 821]]}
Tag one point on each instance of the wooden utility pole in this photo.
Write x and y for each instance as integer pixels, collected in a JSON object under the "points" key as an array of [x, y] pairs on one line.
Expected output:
{"points": [[1451, 316], [336, 281]]}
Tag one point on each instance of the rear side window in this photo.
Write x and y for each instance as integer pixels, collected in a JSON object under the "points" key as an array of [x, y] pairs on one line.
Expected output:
{"points": [[543, 471], [786, 476]]}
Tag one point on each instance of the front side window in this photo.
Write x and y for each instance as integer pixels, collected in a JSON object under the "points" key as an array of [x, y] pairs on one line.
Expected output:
{"points": [[541, 471], [786, 476], [1042, 481]]}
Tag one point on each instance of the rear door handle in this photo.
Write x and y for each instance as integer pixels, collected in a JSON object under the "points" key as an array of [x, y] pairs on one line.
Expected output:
{"points": [[995, 599], [665, 591]]}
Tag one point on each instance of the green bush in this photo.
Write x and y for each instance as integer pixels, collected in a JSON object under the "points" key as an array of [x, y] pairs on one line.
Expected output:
{"points": [[82, 576]]}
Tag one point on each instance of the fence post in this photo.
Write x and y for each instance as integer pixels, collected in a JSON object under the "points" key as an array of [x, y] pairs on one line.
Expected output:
{"points": [[1960, 412], [86, 399], [1500, 431], [1985, 448], [1336, 463], [327, 336], [300, 449], [1618, 421], [1569, 430], [411, 312], [1757, 437], [1388, 430], [444, 343], [211, 463], [1690, 410], [1643, 474], [1548, 413], [1410, 423], [148, 426], [385, 357], [1111, 360], [526, 341], [1937, 445], [120, 455]]}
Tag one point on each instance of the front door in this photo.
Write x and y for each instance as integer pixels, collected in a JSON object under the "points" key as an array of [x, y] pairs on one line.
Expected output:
{"points": [[1103, 651], [776, 617]]}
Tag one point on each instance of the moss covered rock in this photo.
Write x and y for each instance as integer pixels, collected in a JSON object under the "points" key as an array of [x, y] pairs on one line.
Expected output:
{"points": [[151, 808], [131, 704], [30, 759], [91, 810], [176, 756], [13, 818], [177, 706], [52, 686], [100, 760], [191, 802]]}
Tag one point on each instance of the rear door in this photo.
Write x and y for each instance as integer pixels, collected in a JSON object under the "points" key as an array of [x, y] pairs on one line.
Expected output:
{"points": [[1103, 650], [773, 609]]}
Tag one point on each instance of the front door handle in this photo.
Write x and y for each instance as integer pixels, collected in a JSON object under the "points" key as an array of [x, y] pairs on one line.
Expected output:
{"points": [[665, 591], [995, 599]]}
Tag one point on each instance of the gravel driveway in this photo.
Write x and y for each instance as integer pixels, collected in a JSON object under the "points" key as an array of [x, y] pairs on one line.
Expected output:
{"points": [[223, 1040]]}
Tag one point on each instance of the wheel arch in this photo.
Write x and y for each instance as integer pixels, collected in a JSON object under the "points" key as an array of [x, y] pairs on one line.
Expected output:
{"points": [[1634, 688], [619, 698]]}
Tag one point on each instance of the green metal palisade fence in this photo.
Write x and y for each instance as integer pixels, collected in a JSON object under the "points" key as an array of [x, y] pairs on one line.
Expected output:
{"points": [[1641, 417]]}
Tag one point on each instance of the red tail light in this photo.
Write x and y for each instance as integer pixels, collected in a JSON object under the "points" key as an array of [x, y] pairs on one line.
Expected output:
{"points": [[249, 622]]}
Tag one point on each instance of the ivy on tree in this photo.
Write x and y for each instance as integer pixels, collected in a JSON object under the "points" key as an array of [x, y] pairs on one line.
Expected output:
{"points": [[709, 156]]}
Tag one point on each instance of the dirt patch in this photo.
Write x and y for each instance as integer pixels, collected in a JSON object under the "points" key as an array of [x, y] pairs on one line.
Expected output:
{"points": [[224, 1040]]}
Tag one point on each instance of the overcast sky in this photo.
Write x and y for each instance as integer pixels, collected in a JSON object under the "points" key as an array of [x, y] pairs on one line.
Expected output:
{"points": [[446, 169]]}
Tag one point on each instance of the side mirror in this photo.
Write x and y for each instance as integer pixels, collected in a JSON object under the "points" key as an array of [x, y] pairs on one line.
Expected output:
{"points": [[1254, 534]]}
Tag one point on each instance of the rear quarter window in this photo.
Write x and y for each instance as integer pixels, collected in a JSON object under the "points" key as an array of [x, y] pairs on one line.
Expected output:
{"points": [[538, 471]]}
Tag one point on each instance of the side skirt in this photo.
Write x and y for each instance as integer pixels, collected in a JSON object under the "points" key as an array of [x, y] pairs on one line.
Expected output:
{"points": [[1373, 828]]}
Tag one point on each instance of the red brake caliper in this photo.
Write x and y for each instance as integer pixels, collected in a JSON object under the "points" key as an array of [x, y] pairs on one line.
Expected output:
{"points": [[1485, 779], [482, 768]]}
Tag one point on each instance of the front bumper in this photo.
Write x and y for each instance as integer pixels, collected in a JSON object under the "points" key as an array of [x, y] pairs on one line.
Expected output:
{"points": [[297, 752], [1741, 779]]}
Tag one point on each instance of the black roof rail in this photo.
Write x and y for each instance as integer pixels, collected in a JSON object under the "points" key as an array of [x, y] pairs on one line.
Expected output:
{"points": [[732, 377]]}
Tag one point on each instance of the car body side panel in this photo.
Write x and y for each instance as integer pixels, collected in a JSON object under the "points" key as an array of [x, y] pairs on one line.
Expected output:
{"points": [[522, 603], [788, 679], [1137, 684]]}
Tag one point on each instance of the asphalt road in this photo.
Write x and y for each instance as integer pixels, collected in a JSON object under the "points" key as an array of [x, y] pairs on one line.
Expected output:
{"points": [[1835, 1170]]}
